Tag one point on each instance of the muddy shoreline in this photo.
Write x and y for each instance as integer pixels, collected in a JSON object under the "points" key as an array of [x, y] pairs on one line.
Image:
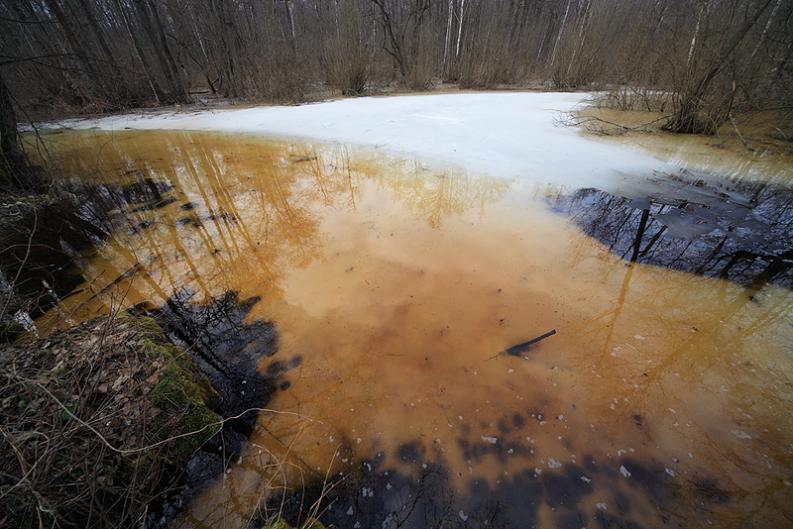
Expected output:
{"points": [[53, 238]]}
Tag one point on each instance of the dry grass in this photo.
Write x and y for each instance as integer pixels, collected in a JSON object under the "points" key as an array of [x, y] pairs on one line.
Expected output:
{"points": [[89, 421]]}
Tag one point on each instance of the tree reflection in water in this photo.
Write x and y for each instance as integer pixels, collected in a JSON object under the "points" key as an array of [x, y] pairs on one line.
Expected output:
{"points": [[394, 284], [739, 231]]}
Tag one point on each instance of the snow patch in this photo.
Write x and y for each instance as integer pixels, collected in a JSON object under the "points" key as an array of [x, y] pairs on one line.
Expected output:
{"points": [[512, 135]]}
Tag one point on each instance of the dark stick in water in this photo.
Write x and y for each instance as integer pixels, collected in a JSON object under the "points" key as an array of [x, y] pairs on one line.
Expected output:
{"points": [[515, 350]]}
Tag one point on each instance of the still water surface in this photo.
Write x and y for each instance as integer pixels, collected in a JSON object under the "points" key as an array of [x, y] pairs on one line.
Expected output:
{"points": [[664, 399]]}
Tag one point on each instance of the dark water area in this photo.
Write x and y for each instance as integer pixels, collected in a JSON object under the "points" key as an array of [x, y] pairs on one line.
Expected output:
{"points": [[45, 246], [422, 494], [228, 350], [739, 231], [40, 248]]}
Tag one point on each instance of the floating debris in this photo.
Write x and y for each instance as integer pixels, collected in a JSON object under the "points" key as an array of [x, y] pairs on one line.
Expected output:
{"points": [[515, 350]]}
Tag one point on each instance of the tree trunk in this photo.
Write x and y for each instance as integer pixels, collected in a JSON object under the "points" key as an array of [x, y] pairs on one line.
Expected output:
{"points": [[148, 26], [74, 45], [448, 34], [100, 38], [180, 93], [15, 172], [291, 21], [147, 70], [559, 35], [460, 29], [691, 100]]}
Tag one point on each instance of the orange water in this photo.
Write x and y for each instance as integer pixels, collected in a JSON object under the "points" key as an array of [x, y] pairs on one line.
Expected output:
{"points": [[398, 287]]}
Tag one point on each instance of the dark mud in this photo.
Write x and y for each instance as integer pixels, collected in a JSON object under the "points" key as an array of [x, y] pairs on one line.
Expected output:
{"points": [[739, 231]]}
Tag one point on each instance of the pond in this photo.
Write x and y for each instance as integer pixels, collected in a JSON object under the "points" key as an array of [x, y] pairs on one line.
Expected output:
{"points": [[393, 292]]}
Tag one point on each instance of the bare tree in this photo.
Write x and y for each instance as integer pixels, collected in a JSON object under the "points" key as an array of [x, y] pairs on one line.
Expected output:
{"points": [[701, 60]]}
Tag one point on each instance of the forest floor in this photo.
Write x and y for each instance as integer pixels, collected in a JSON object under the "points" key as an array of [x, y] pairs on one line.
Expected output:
{"points": [[94, 419]]}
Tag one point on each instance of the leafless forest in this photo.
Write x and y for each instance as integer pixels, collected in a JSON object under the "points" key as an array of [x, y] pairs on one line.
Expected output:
{"points": [[697, 60], [136, 360]]}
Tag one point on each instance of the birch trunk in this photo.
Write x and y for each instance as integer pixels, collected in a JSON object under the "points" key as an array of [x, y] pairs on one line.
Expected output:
{"points": [[448, 34], [559, 35], [460, 29]]}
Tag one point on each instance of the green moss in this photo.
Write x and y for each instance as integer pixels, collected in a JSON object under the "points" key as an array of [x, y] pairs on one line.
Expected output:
{"points": [[182, 392], [279, 523]]}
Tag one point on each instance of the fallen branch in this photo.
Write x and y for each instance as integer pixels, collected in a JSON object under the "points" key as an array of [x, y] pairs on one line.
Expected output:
{"points": [[517, 349]]}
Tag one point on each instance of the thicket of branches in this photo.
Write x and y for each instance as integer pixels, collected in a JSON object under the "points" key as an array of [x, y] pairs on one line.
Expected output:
{"points": [[701, 60]]}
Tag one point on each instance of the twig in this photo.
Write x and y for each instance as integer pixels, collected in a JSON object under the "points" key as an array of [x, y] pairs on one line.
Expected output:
{"points": [[158, 443], [738, 132], [515, 350]]}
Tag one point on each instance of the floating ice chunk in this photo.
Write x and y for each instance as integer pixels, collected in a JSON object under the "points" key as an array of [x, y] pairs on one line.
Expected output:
{"points": [[462, 515], [350, 511]]}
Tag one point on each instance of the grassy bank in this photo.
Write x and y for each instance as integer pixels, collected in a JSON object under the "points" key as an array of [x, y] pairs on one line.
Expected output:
{"points": [[94, 421]]}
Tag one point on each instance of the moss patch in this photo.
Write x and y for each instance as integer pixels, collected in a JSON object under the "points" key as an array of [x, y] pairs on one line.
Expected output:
{"points": [[141, 395], [280, 523], [181, 391]]}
